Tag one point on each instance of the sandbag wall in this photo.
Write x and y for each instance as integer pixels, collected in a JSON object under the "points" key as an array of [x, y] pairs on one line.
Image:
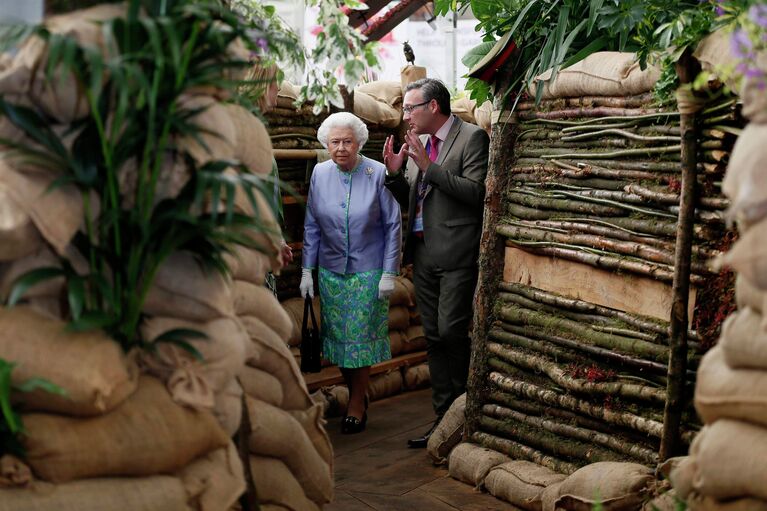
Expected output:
{"points": [[578, 356], [150, 429], [726, 466]]}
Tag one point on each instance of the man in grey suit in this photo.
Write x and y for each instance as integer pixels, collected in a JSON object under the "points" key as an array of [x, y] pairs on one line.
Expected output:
{"points": [[438, 176]]}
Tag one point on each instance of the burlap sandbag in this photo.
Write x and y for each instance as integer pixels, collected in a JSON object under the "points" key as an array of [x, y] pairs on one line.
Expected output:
{"points": [[214, 481], [549, 497], [745, 182], [713, 53], [14, 472], [275, 433], [521, 483], [448, 432], [227, 407], [390, 92], [61, 97], [484, 115], [89, 366], [748, 255], [230, 133], [248, 264], [752, 93], [415, 316], [261, 385], [470, 463], [748, 295], [721, 391], [416, 377], [153, 493], [272, 355], [401, 294], [155, 436], [42, 258], [313, 423], [698, 502], [410, 74], [18, 235], [667, 501], [616, 485], [374, 111], [744, 341], [408, 283], [385, 385], [463, 107], [415, 339], [183, 289], [295, 309], [682, 476], [56, 212], [396, 340], [604, 73], [194, 382], [399, 319], [276, 485], [334, 399], [731, 459], [259, 302]]}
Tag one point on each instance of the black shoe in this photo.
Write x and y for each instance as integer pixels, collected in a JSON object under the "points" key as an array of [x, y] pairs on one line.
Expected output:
{"points": [[422, 441], [351, 425]]}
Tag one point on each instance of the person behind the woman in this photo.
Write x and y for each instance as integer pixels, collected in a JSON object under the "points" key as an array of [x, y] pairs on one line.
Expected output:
{"points": [[352, 237]]}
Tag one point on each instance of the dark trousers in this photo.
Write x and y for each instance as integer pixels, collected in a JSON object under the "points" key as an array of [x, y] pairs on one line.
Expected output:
{"points": [[445, 300]]}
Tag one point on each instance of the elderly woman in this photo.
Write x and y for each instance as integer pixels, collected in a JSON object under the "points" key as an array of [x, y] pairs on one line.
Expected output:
{"points": [[352, 237]]}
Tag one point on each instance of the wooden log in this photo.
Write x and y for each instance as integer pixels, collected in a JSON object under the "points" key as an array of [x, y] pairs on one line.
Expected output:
{"points": [[522, 452], [602, 113], [548, 442], [536, 409], [527, 303], [521, 335], [519, 316], [588, 101], [557, 375], [670, 444], [633, 164], [295, 154], [540, 295], [490, 262], [606, 155], [631, 248], [551, 398], [620, 445], [621, 132], [535, 178], [563, 204]]}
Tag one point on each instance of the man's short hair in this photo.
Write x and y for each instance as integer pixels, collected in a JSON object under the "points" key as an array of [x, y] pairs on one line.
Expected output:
{"points": [[433, 89]]}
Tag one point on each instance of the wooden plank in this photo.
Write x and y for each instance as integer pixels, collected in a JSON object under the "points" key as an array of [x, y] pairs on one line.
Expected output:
{"points": [[345, 502], [622, 291], [416, 499], [464, 496], [331, 375], [295, 154]]}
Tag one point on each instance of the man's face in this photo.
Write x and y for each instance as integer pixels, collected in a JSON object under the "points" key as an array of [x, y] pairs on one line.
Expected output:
{"points": [[416, 112]]}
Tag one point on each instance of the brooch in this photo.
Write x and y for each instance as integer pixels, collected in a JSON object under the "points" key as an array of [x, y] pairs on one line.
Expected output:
{"points": [[369, 171]]}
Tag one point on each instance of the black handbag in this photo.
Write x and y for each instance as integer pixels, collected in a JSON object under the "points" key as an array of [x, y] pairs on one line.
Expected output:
{"points": [[311, 345]]}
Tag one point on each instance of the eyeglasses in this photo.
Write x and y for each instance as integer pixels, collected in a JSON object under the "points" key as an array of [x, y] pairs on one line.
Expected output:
{"points": [[408, 109]]}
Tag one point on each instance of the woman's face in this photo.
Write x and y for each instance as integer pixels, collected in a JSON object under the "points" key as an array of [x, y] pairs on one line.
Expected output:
{"points": [[343, 147]]}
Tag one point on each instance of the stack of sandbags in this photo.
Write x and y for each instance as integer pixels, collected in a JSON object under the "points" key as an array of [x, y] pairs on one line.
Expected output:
{"points": [[468, 110], [449, 431], [405, 329], [113, 434], [291, 456], [149, 430], [726, 467], [379, 103]]}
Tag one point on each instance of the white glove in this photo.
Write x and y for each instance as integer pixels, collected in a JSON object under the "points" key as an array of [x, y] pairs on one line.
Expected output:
{"points": [[385, 286], [307, 283]]}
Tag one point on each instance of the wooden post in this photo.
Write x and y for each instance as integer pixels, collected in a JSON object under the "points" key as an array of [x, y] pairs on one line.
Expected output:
{"points": [[677, 365], [491, 257]]}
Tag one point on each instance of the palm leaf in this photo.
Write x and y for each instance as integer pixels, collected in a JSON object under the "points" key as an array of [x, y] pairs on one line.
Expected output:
{"points": [[30, 279]]}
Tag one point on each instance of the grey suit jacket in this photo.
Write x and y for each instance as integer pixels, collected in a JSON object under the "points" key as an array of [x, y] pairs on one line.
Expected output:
{"points": [[453, 205]]}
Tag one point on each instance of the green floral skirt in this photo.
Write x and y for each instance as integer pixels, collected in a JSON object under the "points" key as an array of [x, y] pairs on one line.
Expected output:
{"points": [[355, 323]]}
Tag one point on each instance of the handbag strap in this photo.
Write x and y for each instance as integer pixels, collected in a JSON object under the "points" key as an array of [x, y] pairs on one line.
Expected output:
{"points": [[308, 312]]}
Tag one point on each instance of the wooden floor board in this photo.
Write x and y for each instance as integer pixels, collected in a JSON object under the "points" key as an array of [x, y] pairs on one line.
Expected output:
{"points": [[415, 500], [464, 496]]}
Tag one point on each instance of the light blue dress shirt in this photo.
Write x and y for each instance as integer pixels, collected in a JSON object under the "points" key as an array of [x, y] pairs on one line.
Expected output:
{"points": [[352, 222]]}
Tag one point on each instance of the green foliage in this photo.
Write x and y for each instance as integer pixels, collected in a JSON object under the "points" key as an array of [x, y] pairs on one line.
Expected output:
{"points": [[340, 50], [11, 425], [120, 150], [552, 34]]}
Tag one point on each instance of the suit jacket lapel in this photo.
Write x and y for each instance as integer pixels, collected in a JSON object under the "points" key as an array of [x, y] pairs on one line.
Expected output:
{"points": [[448, 143]]}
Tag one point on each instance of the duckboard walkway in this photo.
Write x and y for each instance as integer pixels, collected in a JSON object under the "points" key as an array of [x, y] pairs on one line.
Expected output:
{"points": [[375, 470]]}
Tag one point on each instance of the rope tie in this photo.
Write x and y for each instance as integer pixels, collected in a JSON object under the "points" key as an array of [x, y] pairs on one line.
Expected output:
{"points": [[686, 100]]}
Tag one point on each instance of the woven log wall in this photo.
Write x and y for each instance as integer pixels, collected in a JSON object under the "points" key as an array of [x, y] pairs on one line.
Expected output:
{"points": [[576, 361]]}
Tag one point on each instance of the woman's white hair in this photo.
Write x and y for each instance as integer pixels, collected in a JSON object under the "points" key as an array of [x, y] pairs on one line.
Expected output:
{"points": [[343, 120]]}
